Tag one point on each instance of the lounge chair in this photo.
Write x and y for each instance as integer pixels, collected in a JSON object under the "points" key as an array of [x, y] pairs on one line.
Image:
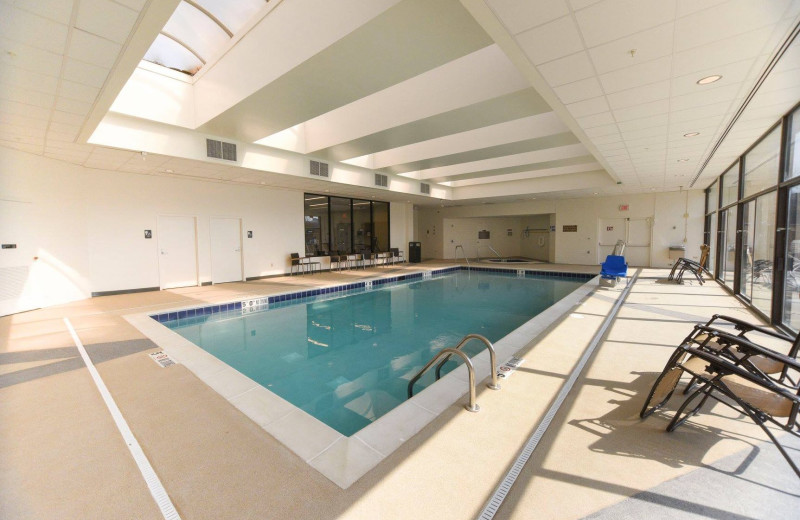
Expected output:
{"points": [[682, 265], [397, 255], [729, 373]]}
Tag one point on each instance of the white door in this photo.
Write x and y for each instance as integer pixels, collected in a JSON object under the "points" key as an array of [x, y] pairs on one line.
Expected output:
{"points": [[638, 250], [611, 230], [636, 234], [177, 251], [226, 250]]}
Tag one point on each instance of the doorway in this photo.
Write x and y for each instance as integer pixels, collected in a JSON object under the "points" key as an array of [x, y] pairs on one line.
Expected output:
{"points": [[635, 232], [226, 250], [177, 251]]}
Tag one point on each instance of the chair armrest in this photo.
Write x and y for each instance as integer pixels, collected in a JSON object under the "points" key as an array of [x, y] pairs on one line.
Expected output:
{"points": [[746, 344], [745, 327], [724, 366]]}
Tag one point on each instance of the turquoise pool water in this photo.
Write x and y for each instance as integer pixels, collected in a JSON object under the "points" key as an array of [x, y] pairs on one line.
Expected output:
{"points": [[347, 358]]}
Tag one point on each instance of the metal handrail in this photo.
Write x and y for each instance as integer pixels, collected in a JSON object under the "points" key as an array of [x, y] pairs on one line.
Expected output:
{"points": [[493, 251], [473, 406], [494, 385], [455, 254]]}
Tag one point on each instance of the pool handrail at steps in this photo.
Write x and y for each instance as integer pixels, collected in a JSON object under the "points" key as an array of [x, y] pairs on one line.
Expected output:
{"points": [[472, 406], [494, 385], [455, 254]]}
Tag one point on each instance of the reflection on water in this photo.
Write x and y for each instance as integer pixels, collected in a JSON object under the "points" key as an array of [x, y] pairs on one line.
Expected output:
{"points": [[348, 360]]}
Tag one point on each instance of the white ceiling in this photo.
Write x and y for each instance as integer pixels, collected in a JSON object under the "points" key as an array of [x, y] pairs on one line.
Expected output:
{"points": [[496, 100]]}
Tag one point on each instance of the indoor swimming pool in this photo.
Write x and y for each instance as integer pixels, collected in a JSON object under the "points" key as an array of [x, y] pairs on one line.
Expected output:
{"points": [[346, 356]]}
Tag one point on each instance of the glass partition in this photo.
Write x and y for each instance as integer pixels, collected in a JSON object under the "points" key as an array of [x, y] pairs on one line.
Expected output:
{"points": [[341, 225], [730, 185], [316, 225], [762, 163], [793, 146], [727, 251], [362, 223], [763, 251], [712, 198], [746, 253], [712, 243], [791, 285]]}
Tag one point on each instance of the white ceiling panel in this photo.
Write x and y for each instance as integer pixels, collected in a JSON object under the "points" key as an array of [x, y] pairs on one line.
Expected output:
{"points": [[588, 107], [603, 118], [644, 46], [579, 90], [519, 16], [739, 16], [93, 49], [27, 57], [638, 74], [85, 73], [106, 19], [551, 41], [643, 110], [639, 95], [729, 50], [39, 32], [613, 19], [567, 69]]}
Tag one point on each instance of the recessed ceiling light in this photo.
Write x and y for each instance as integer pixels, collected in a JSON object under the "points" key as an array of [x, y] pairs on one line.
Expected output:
{"points": [[709, 79], [683, 160], [691, 134], [169, 171], [595, 193]]}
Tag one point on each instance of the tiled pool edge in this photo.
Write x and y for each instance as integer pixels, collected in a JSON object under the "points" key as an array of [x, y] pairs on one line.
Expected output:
{"points": [[261, 302], [343, 460]]}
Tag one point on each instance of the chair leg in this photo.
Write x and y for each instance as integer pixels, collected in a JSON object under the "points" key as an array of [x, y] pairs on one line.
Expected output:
{"points": [[680, 417]]}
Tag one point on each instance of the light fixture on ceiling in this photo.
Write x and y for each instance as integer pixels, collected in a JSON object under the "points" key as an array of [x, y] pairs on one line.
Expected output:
{"points": [[709, 79], [683, 160], [169, 171], [691, 134], [595, 193]]}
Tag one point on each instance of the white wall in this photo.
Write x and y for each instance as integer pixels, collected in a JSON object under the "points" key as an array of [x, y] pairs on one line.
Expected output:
{"points": [[86, 227], [464, 231], [666, 211]]}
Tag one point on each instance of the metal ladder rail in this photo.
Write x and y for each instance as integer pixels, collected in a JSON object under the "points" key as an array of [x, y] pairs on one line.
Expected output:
{"points": [[494, 251], [463, 253], [472, 406], [494, 385]]}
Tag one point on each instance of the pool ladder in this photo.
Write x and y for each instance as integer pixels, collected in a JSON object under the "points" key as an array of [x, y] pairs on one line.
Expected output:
{"points": [[463, 253], [447, 353]]}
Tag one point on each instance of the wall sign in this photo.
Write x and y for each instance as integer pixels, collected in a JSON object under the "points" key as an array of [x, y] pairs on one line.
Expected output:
{"points": [[609, 228], [148, 233], [623, 207], [249, 234], [570, 229]]}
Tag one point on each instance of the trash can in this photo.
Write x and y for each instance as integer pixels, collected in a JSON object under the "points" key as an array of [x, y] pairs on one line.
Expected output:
{"points": [[415, 252]]}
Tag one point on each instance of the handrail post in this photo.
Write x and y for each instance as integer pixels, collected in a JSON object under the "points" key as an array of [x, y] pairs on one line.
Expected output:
{"points": [[494, 385], [473, 406]]}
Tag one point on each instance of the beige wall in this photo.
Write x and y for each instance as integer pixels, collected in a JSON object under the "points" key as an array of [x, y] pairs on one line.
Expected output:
{"points": [[86, 227], [665, 210]]}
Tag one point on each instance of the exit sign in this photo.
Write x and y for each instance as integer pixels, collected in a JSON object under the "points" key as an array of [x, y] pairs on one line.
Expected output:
{"points": [[623, 207]]}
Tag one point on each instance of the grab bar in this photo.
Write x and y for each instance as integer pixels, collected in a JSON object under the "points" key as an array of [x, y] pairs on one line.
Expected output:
{"points": [[493, 251], [492, 358], [455, 254], [473, 406]]}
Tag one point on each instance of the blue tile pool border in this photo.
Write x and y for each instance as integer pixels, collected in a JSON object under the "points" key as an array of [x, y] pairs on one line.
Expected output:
{"points": [[262, 303]]}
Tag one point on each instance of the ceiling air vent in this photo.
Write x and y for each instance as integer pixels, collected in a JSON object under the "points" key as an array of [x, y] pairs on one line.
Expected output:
{"points": [[424, 188], [319, 169], [220, 150], [381, 180]]}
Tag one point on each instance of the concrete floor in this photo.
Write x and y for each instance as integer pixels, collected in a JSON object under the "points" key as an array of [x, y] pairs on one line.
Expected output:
{"points": [[61, 455]]}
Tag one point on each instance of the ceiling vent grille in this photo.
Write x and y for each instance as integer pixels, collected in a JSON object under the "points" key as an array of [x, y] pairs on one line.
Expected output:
{"points": [[220, 150], [319, 169], [425, 188], [381, 180]]}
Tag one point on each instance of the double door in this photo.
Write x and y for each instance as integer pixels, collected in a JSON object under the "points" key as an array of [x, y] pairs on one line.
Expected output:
{"points": [[635, 232]]}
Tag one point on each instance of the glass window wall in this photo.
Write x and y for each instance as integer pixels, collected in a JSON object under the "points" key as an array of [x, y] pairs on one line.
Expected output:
{"points": [[791, 285], [342, 225], [316, 225], [762, 163], [793, 146], [730, 185], [763, 251], [727, 251]]}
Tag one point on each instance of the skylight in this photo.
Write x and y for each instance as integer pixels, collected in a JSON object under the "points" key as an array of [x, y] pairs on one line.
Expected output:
{"points": [[198, 30]]}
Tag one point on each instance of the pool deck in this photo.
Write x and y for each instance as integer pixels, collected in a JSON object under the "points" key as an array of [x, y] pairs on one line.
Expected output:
{"points": [[61, 455]]}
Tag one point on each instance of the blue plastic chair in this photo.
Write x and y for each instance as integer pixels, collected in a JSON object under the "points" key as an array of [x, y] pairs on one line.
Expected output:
{"points": [[614, 267]]}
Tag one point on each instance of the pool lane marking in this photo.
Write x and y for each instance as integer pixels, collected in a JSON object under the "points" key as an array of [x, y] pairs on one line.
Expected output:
{"points": [[151, 479], [502, 490]]}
